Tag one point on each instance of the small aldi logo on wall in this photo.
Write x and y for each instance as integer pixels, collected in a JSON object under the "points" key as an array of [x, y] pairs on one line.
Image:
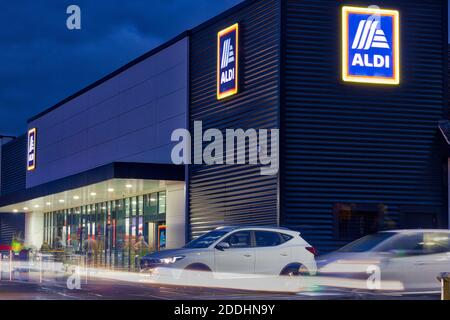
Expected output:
{"points": [[227, 62], [370, 45], [31, 158]]}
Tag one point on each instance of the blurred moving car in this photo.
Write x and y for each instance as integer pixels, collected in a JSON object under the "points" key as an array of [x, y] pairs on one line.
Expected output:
{"points": [[413, 257], [240, 250]]}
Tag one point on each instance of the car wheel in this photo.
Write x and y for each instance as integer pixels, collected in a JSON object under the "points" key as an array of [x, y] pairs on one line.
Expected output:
{"points": [[197, 274], [295, 270], [143, 266]]}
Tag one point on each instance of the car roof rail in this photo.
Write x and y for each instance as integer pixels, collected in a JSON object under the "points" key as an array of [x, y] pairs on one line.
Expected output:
{"points": [[252, 226]]}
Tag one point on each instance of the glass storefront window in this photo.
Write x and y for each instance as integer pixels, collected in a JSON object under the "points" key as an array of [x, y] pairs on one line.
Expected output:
{"points": [[113, 233], [153, 204], [120, 233], [161, 202]]}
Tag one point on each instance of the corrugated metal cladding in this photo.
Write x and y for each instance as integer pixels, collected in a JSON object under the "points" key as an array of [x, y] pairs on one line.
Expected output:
{"points": [[361, 144], [11, 225], [235, 195], [14, 162], [448, 77]]}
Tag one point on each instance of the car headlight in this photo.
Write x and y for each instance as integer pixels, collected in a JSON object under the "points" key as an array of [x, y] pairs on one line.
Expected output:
{"points": [[171, 260]]}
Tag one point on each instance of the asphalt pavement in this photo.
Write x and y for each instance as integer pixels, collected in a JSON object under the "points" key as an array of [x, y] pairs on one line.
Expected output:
{"points": [[117, 290]]}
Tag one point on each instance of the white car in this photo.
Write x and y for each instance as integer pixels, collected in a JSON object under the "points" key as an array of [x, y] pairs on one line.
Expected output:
{"points": [[413, 258], [240, 250]]}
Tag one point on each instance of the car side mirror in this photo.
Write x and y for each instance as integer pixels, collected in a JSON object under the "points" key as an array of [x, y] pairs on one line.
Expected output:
{"points": [[394, 253], [402, 253], [222, 246]]}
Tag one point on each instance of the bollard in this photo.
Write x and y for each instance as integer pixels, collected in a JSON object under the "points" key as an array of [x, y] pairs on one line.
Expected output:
{"points": [[444, 279], [86, 269], [10, 265], [40, 267]]}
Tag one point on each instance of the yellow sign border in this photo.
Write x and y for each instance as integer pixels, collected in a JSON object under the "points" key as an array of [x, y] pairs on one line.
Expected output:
{"points": [[395, 80], [30, 132], [220, 34]]}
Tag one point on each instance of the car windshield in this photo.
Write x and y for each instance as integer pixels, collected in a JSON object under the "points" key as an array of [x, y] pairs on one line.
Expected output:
{"points": [[367, 243], [418, 243], [206, 240]]}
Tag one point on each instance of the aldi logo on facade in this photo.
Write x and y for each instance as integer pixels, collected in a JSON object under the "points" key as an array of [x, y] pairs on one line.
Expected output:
{"points": [[31, 157], [370, 45], [227, 61]]}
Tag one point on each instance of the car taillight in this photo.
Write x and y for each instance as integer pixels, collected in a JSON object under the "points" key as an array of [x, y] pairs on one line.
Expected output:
{"points": [[312, 250]]}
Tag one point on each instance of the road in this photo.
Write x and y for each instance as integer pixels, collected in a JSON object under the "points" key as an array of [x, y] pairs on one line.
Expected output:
{"points": [[116, 290]]}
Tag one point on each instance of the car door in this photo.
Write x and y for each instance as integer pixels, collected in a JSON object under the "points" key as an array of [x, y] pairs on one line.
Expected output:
{"points": [[239, 258], [434, 260], [271, 253], [419, 258]]}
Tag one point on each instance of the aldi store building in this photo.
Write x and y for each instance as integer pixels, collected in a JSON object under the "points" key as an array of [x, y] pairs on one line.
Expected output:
{"points": [[358, 93]]}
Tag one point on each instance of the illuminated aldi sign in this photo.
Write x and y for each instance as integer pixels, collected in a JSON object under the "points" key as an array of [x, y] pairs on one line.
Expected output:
{"points": [[370, 44], [227, 61], [31, 158]]}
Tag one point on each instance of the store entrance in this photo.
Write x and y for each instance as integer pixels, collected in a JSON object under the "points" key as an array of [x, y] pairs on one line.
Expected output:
{"points": [[421, 221], [115, 233], [420, 217], [156, 235]]}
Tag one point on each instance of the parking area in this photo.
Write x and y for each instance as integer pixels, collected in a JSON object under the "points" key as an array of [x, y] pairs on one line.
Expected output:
{"points": [[112, 290]]}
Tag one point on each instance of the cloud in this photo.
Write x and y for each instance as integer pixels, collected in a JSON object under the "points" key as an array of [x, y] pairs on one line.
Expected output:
{"points": [[42, 62]]}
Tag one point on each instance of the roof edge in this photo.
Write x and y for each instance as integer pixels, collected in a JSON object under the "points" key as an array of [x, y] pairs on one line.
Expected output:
{"points": [[114, 170]]}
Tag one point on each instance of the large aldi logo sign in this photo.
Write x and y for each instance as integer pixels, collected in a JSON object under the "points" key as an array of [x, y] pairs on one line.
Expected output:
{"points": [[227, 62], [370, 45], [31, 158]]}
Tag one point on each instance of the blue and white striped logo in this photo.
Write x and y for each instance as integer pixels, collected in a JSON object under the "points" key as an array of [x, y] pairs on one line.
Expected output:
{"points": [[227, 54], [370, 35]]}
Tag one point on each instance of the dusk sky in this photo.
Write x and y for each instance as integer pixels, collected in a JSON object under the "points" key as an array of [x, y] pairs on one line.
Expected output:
{"points": [[42, 62]]}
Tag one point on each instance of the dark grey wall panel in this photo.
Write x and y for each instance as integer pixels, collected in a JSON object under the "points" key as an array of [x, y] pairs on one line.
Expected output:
{"points": [[350, 143], [14, 162], [11, 225], [235, 195], [127, 118], [448, 86]]}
